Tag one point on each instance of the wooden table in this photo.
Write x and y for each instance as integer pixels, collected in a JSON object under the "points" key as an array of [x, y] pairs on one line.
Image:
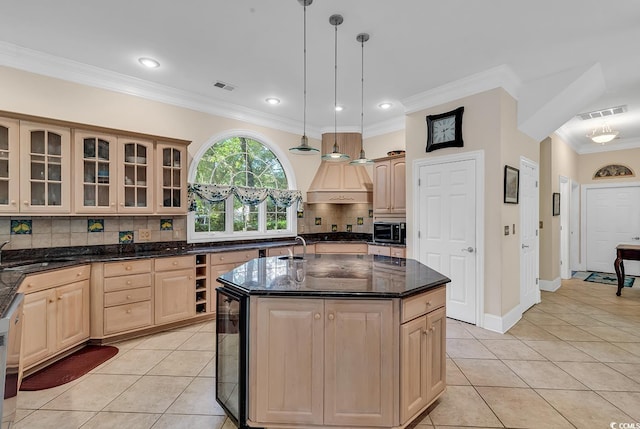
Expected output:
{"points": [[624, 251]]}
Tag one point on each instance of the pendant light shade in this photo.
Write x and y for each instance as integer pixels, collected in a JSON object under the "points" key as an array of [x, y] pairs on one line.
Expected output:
{"points": [[602, 135], [304, 148], [362, 160], [335, 155]]}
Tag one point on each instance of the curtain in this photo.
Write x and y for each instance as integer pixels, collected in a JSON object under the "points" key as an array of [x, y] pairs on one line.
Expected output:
{"points": [[249, 196]]}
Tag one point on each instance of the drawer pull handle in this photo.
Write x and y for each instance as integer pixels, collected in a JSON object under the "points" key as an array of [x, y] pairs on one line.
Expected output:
{"points": [[316, 316], [222, 258], [59, 298], [50, 301], [428, 303], [129, 267], [128, 311], [128, 282], [128, 296], [426, 332], [331, 316], [29, 285], [190, 277], [175, 262]]}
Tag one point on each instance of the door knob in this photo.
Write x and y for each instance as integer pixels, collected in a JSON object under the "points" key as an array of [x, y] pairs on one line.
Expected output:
{"points": [[468, 249], [524, 246]]}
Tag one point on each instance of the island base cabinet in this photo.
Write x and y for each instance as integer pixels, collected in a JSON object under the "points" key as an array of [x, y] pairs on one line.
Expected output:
{"points": [[323, 362]]}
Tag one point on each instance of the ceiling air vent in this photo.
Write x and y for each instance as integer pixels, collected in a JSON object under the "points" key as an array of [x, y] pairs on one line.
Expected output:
{"points": [[222, 85], [603, 113]]}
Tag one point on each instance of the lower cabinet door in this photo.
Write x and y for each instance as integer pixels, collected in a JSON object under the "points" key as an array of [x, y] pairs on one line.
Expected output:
{"points": [[289, 361], [359, 363], [39, 330], [73, 314], [413, 364], [174, 295], [436, 346]]}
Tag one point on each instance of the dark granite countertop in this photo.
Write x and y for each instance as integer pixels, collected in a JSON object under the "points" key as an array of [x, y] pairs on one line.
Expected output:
{"points": [[18, 263], [361, 276]]}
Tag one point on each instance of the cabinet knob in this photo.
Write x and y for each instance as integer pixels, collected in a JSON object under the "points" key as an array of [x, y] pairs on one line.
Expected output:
{"points": [[128, 282], [50, 301], [29, 285], [222, 258], [316, 316], [128, 268], [59, 298], [121, 204], [128, 296], [13, 202], [190, 277], [426, 332], [428, 303], [79, 274], [26, 203], [331, 316], [128, 311], [113, 204], [175, 262]]}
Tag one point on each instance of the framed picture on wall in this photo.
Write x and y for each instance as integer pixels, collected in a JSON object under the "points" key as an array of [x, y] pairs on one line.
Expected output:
{"points": [[556, 204], [511, 184]]}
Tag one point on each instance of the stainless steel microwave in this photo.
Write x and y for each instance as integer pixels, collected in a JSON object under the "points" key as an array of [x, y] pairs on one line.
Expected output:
{"points": [[390, 232]]}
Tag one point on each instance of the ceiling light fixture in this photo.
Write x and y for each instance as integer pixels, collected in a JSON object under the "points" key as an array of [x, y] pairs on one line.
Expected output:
{"points": [[272, 100], [602, 135], [339, 108], [304, 148], [385, 106], [335, 156], [149, 62], [362, 160]]}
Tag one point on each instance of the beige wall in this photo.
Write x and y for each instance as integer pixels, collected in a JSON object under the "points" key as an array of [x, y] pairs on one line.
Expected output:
{"points": [[38, 95], [489, 124], [590, 163]]}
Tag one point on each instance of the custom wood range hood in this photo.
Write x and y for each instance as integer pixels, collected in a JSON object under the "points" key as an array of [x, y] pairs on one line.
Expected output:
{"points": [[339, 182]]}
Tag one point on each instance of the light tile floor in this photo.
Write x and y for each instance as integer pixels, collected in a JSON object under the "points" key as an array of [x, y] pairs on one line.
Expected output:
{"points": [[572, 361]]}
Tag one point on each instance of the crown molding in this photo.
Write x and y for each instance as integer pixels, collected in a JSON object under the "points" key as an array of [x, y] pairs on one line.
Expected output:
{"points": [[392, 125], [501, 76], [60, 68]]}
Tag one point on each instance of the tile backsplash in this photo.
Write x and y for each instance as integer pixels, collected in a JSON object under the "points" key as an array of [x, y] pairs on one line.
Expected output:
{"points": [[316, 218], [88, 231]]}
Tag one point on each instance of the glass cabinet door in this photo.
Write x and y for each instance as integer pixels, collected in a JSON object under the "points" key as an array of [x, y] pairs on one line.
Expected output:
{"points": [[45, 168], [95, 165], [171, 178], [135, 190], [9, 177]]}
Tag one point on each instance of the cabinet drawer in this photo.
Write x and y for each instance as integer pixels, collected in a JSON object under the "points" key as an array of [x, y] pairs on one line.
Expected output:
{"points": [[113, 269], [125, 317], [127, 296], [175, 263], [356, 248], [423, 303], [49, 279], [398, 252], [233, 257], [379, 250], [127, 282]]}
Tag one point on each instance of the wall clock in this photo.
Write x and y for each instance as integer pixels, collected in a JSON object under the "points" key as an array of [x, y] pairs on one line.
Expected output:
{"points": [[444, 130]]}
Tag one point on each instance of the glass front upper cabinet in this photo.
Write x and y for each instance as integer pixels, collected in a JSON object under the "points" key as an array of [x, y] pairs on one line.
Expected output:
{"points": [[9, 172], [45, 168], [172, 177], [135, 193], [95, 172]]}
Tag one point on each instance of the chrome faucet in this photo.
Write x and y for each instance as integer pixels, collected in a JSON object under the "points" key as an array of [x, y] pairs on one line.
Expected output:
{"points": [[1, 246], [304, 246]]}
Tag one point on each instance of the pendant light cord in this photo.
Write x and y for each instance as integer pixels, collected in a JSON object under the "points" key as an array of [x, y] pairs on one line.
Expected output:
{"points": [[362, 100], [335, 93], [304, 109]]}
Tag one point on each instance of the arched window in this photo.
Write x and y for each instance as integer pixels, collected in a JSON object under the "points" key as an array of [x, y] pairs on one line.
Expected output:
{"points": [[244, 162]]}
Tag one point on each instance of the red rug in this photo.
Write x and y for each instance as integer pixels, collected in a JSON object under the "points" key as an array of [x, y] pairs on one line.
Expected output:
{"points": [[68, 369]]}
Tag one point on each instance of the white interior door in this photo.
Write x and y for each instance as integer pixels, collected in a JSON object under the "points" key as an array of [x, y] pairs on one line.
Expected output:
{"points": [[446, 223], [529, 255], [612, 218], [565, 196], [574, 230]]}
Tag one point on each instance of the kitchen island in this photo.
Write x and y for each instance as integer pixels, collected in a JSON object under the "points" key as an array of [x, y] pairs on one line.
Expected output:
{"points": [[358, 341]]}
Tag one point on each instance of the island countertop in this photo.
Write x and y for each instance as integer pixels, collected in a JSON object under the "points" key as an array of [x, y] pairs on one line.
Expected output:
{"points": [[333, 275]]}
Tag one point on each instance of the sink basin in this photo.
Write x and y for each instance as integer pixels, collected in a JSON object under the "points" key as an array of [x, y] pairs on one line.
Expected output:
{"points": [[288, 258]]}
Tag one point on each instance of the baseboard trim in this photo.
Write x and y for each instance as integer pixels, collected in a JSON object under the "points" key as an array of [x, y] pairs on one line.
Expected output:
{"points": [[550, 285], [502, 324]]}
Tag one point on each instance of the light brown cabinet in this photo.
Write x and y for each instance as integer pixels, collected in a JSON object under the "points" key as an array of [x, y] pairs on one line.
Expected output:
{"points": [[56, 313], [422, 352], [322, 360], [95, 158], [9, 165], [396, 252], [297, 250], [174, 289], [348, 248], [389, 185], [171, 167], [45, 168]]}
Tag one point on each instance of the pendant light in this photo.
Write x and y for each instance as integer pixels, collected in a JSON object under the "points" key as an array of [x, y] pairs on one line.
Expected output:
{"points": [[335, 156], [304, 148], [362, 160]]}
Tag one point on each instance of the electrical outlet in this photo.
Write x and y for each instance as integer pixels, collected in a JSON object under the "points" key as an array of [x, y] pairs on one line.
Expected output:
{"points": [[506, 230], [144, 235], [177, 233]]}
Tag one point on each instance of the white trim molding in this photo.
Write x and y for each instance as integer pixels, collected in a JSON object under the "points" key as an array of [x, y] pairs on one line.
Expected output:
{"points": [[550, 285], [502, 324]]}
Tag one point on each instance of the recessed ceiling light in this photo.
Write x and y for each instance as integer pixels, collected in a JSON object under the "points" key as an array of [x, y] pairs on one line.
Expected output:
{"points": [[385, 106], [149, 62], [339, 108], [272, 100]]}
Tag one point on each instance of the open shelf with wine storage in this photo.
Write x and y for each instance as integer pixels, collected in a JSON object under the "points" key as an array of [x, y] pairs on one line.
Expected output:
{"points": [[205, 300]]}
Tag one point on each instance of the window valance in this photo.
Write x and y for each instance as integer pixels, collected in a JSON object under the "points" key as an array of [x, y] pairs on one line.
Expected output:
{"points": [[250, 196]]}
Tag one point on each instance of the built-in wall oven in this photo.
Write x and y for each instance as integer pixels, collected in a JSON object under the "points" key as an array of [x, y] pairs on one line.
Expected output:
{"points": [[231, 354]]}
